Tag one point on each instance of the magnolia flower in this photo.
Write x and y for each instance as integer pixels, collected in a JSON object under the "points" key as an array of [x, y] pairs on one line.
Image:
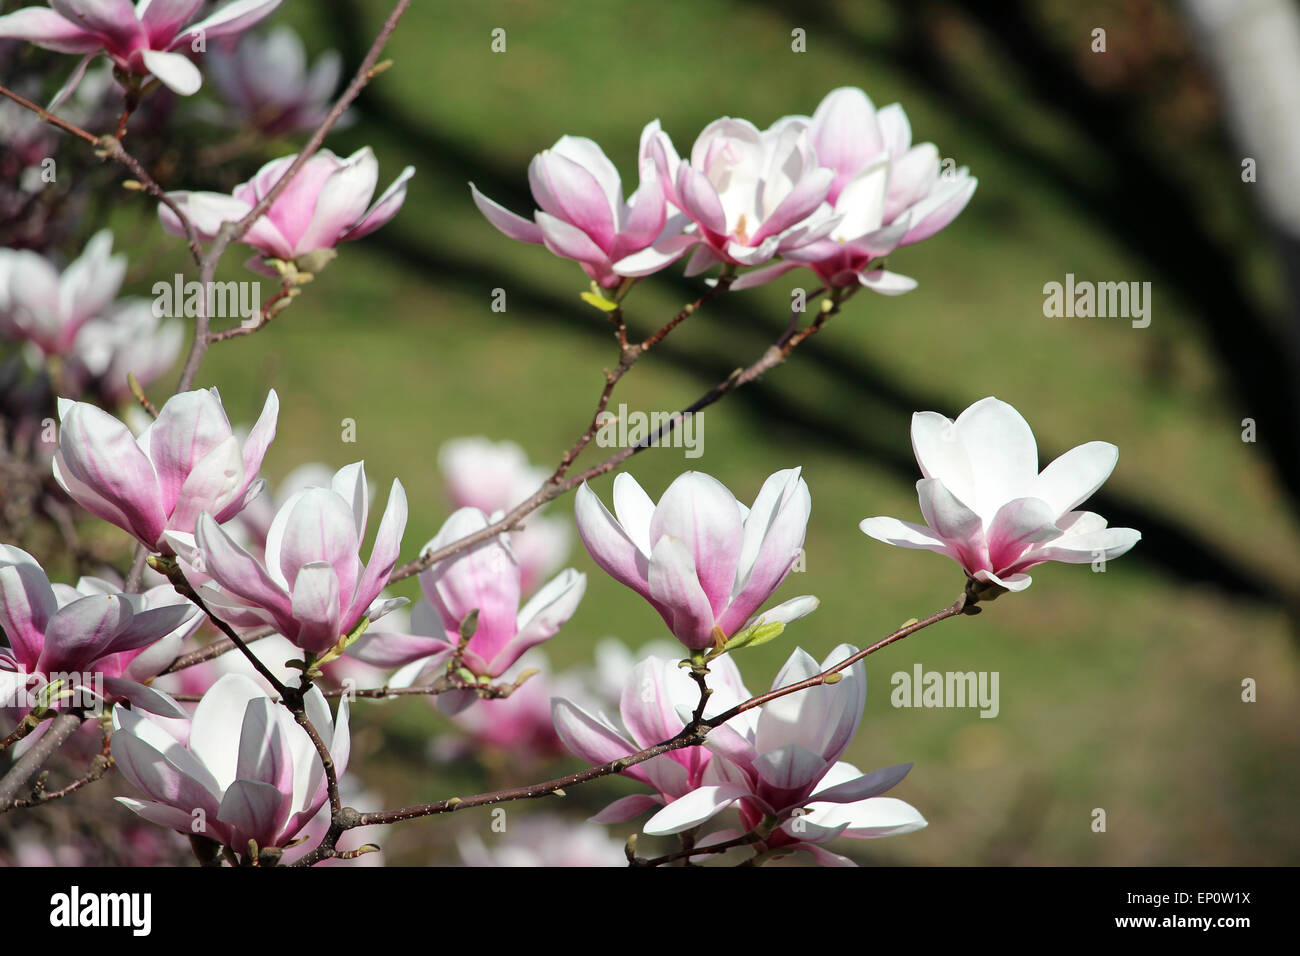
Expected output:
{"points": [[751, 195], [94, 634], [127, 339], [142, 39], [187, 461], [658, 700], [782, 769], [583, 215], [703, 560], [887, 193], [484, 578], [47, 308], [246, 772], [987, 506], [312, 586], [267, 81], [325, 204], [496, 476]]}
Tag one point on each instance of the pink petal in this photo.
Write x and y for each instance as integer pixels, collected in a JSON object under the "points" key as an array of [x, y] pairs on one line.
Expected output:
{"points": [[78, 634], [113, 20], [693, 809], [175, 71], [384, 208], [386, 550], [162, 19], [231, 19], [570, 193], [340, 202], [703, 514], [516, 227], [675, 587], [1073, 477], [845, 134], [27, 603], [1002, 453], [188, 428], [49, 30], [102, 467], [608, 543]]}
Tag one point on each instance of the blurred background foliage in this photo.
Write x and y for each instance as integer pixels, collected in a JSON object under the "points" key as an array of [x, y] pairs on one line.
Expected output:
{"points": [[1121, 690]]}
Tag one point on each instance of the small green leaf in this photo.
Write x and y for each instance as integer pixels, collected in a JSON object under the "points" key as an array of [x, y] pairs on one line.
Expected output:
{"points": [[599, 301], [755, 635]]}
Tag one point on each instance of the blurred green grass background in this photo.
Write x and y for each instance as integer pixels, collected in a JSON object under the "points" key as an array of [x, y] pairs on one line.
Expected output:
{"points": [[1119, 691]]}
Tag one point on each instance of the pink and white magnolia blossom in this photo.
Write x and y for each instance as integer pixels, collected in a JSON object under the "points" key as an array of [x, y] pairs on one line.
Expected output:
{"points": [[583, 215], [887, 194], [246, 771], [48, 308], [483, 578], [327, 202], [149, 37], [703, 560], [781, 767], [267, 82], [988, 507], [751, 195], [311, 586], [657, 701], [129, 339], [496, 476], [94, 634], [186, 462]]}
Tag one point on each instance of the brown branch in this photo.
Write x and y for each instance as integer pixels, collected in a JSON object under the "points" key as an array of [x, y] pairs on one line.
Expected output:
{"points": [[213, 650], [100, 765], [63, 727], [49, 117]]}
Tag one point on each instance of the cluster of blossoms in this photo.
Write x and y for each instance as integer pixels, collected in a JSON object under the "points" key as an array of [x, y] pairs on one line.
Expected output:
{"points": [[835, 192], [72, 321]]}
